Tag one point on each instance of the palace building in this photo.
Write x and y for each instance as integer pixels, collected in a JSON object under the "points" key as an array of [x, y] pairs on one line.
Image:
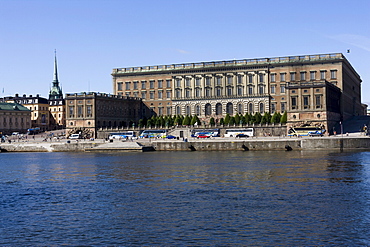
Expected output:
{"points": [[318, 89]]}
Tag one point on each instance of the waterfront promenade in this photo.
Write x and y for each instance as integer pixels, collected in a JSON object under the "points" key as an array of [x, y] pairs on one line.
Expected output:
{"points": [[41, 144]]}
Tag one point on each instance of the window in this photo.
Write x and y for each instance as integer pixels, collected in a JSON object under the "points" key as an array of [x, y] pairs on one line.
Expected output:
{"points": [[261, 89], [229, 108], [168, 82], [292, 76], [282, 76], [318, 101], [197, 81], [151, 84], [119, 86], [127, 85], [250, 107], [218, 109], [229, 91], [273, 107], [294, 102], [282, 88], [261, 77], [218, 91], [250, 90], [187, 110], [273, 77], [143, 95], [262, 109], [143, 84], [208, 81], [218, 80], [303, 76], [178, 93], [88, 111], [240, 108], [197, 92], [240, 91], [160, 94], [135, 85], [79, 111], [229, 80], [187, 93], [208, 92], [197, 110], [71, 111], [168, 94], [151, 95], [160, 111], [169, 110], [250, 78], [312, 75], [306, 104], [333, 74], [160, 83], [178, 82], [208, 109], [187, 82], [282, 106], [178, 110], [240, 79], [322, 75], [273, 87]]}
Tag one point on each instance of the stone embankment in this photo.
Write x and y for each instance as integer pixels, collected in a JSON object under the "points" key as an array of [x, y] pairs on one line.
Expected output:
{"points": [[216, 144]]}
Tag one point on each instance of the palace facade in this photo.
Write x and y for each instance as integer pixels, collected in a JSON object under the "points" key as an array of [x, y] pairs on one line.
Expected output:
{"points": [[14, 118], [318, 89]]}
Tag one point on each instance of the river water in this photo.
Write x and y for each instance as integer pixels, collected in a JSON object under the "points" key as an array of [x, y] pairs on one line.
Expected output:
{"points": [[185, 199]]}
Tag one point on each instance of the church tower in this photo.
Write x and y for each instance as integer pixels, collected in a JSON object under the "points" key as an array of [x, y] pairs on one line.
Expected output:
{"points": [[55, 91], [56, 102]]}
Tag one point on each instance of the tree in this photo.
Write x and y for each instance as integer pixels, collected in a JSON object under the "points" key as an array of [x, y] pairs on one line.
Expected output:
{"points": [[257, 118], [275, 118], [227, 119], [237, 119], [232, 121], [177, 120], [141, 123], [186, 120], [194, 120], [265, 119], [247, 118], [222, 122], [212, 121], [284, 118]]}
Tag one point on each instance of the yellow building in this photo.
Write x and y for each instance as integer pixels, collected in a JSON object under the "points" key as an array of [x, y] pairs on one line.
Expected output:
{"points": [[14, 118]]}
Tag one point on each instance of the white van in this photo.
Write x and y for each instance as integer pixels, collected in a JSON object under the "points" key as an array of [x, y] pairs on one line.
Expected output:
{"points": [[74, 136]]}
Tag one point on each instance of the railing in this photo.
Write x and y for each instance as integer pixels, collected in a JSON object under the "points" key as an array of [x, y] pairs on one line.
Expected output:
{"points": [[257, 61]]}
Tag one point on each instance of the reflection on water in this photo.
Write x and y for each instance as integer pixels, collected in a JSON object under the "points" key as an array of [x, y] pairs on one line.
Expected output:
{"points": [[185, 198]]}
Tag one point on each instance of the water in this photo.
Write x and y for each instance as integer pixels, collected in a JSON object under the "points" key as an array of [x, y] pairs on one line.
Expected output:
{"points": [[185, 199]]}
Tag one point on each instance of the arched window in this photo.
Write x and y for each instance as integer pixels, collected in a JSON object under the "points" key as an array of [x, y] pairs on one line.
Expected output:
{"points": [[229, 108], [218, 109], [178, 110], [188, 110], [262, 110], [208, 109], [197, 110], [240, 108], [250, 106]]}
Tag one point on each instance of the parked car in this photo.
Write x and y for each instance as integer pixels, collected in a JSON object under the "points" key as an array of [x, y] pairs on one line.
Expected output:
{"points": [[241, 136], [74, 136], [171, 137], [204, 135]]}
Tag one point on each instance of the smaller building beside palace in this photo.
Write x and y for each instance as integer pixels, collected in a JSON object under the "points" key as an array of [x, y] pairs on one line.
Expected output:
{"points": [[88, 112], [14, 118]]}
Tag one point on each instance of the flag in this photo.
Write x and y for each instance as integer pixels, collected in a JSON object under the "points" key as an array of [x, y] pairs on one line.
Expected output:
{"points": [[3, 90]]}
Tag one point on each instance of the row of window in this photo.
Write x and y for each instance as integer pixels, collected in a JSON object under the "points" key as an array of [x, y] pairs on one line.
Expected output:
{"points": [[303, 76], [218, 80]]}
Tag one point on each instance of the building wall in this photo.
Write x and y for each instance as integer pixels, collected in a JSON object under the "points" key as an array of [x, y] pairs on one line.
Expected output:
{"points": [[253, 85], [57, 114], [91, 111], [14, 120]]}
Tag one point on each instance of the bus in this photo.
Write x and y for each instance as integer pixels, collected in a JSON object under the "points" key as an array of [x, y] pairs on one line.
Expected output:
{"points": [[33, 131], [153, 133], [121, 135], [233, 132], [306, 131], [210, 132]]}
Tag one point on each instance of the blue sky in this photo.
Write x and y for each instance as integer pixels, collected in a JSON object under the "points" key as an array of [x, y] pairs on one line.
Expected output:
{"points": [[93, 37]]}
